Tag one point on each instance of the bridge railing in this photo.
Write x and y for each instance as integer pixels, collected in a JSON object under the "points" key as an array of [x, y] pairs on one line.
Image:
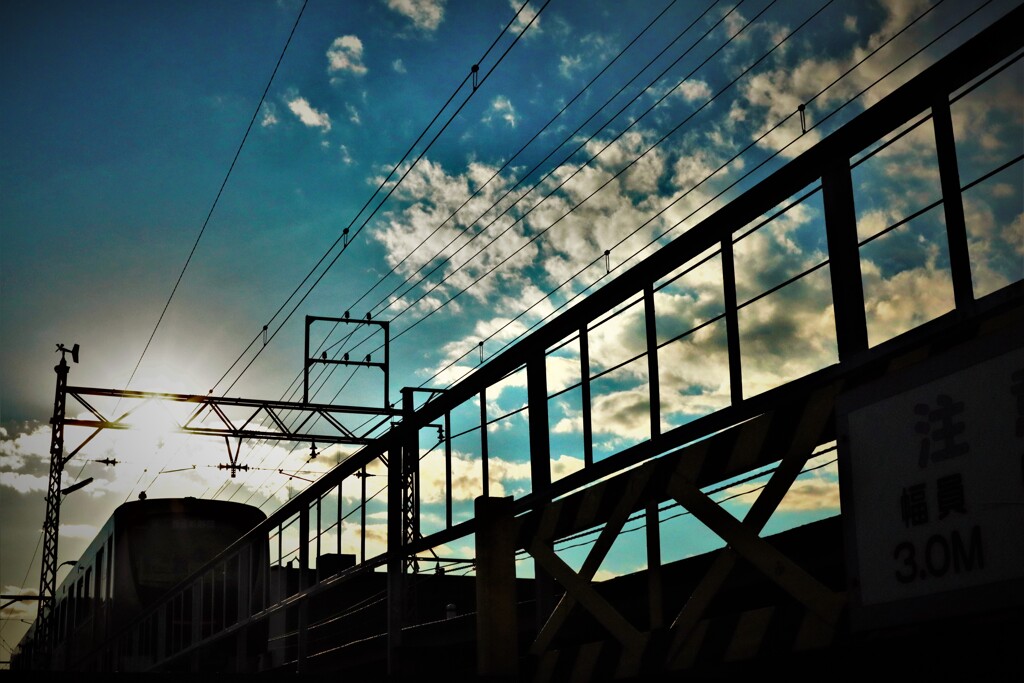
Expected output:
{"points": [[912, 177]]}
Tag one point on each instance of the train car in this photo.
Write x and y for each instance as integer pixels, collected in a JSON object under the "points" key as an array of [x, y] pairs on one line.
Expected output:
{"points": [[143, 550]]}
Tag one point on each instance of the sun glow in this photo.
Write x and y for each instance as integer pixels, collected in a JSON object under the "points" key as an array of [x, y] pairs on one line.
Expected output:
{"points": [[153, 417]]}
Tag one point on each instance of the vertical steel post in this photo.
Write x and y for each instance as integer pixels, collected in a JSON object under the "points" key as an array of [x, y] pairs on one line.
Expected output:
{"points": [[305, 364], [540, 468], [319, 533], [303, 547], [387, 364], [952, 204], [362, 519], [496, 618], [588, 426], [395, 560], [485, 475], [844, 259], [655, 594], [732, 321], [410, 477], [540, 445], [653, 383], [448, 470]]}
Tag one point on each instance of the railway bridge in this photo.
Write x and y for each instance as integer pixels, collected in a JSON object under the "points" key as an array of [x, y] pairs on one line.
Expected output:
{"points": [[923, 564]]}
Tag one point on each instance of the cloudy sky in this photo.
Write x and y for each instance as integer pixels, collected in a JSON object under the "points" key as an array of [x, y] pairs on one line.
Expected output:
{"points": [[175, 216]]}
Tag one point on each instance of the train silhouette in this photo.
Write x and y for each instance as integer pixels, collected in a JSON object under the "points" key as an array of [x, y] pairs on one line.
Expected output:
{"points": [[144, 549]]}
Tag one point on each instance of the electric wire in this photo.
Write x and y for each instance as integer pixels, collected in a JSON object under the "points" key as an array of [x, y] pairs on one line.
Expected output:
{"points": [[523, 148], [422, 153], [216, 200], [775, 288], [535, 136], [607, 182], [851, 68], [383, 183], [220, 191], [878, 48], [387, 195], [836, 81], [706, 178], [535, 304], [567, 157]]}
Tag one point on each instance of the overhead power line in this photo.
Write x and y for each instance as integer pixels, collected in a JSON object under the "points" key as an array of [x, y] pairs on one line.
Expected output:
{"points": [[220, 191], [476, 82], [838, 79], [753, 143], [750, 145], [345, 238]]}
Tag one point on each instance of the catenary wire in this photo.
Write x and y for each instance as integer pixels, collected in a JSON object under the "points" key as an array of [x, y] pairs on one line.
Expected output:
{"points": [[844, 105], [397, 166], [387, 195], [705, 179], [537, 134], [550, 172]]}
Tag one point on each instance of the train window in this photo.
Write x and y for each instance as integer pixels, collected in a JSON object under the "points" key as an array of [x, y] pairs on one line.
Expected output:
{"points": [[98, 590], [86, 597], [79, 596], [58, 618], [110, 572], [167, 550], [69, 618]]}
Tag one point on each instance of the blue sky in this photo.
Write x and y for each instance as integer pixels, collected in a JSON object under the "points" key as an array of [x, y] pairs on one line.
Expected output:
{"points": [[122, 119]]}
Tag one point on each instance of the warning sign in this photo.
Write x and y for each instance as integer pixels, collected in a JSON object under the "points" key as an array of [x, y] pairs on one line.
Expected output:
{"points": [[932, 485]]}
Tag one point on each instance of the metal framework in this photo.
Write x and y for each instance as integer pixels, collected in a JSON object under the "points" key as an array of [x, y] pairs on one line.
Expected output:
{"points": [[781, 425], [51, 523], [368, 362], [213, 407]]}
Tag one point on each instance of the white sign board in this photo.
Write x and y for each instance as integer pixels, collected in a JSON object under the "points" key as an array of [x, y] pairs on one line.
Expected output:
{"points": [[932, 467]]}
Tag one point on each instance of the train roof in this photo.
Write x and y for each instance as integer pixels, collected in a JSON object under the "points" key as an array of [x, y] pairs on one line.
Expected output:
{"points": [[188, 504]]}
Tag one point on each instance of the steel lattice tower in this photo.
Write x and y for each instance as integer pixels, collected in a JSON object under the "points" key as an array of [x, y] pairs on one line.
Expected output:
{"points": [[51, 523]]}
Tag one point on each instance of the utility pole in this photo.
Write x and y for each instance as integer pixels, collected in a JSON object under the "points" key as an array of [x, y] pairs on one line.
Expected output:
{"points": [[51, 524]]}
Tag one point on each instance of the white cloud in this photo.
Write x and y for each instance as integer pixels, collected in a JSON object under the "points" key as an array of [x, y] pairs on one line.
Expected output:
{"points": [[269, 115], [778, 93], [399, 66], [694, 90], [904, 300], [502, 108], [308, 115], [346, 155], [528, 14], [467, 476], [346, 54], [425, 14], [25, 483], [734, 24], [569, 65], [353, 114], [24, 609], [1013, 234], [83, 531], [430, 197], [816, 491]]}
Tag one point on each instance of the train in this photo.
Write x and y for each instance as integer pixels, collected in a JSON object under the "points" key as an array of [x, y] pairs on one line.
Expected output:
{"points": [[143, 550]]}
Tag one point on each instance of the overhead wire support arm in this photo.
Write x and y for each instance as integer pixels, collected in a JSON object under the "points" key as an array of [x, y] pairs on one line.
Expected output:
{"points": [[225, 427], [367, 362]]}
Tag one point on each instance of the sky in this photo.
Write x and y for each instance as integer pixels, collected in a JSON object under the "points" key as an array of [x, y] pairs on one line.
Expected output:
{"points": [[174, 215]]}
